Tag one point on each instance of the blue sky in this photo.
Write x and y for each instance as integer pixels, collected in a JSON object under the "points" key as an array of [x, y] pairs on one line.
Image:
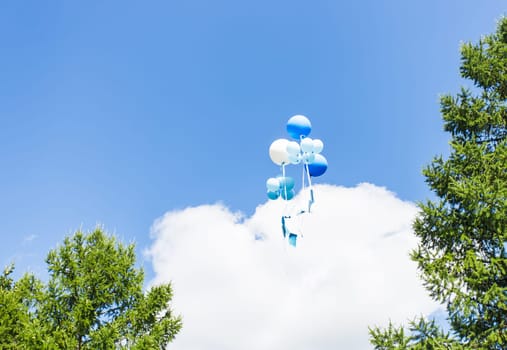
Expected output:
{"points": [[116, 112]]}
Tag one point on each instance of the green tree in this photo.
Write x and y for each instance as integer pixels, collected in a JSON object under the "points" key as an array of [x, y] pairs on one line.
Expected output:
{"points": [[93, 300], [17, 329], [462, 255]]}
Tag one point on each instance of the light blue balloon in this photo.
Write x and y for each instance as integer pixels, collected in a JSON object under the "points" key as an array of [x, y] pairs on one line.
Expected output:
{"points": [[273, 195], [307, 145], [293, 148], [295, 159], [318, 146], [272, 184], [318, 167], [308, 157], [287, 195], [286, 182], [299, 126]]}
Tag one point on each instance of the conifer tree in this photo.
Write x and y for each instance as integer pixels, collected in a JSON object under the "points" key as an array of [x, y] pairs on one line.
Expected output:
{"points": [[462, 255]]}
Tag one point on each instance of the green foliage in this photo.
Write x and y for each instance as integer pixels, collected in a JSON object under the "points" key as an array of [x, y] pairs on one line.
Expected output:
{"points": [[390, 338], [462, 253], [422, 335], [14, 314], [93, 300], [18, 327]]}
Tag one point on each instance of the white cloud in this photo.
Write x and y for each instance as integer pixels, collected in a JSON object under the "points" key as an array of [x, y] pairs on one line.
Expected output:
{"points": [[29, 238], [351, 270]]}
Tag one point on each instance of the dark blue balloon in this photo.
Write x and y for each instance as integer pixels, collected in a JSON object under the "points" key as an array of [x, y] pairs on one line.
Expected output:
{"points": [[318, 167], [299, 126]]}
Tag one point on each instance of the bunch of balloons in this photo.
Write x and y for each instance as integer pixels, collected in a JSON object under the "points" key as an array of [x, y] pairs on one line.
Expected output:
{"points": [[304, 151], [282, 186]]}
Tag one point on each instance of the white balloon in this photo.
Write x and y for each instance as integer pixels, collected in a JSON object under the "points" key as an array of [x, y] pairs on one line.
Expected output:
{"points": [[293, 148], [307, 145], [318, 146], [273, 184], [278, 152]]}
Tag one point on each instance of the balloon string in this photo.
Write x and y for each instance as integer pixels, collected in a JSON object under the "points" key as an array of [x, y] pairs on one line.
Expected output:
{"points": [[284, 181], [311, 200], [301, 137], [285, 214], [303, 181], [301, 205], [305, 169]]}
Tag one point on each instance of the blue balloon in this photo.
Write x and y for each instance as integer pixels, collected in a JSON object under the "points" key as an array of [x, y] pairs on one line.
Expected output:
{"points": [[273, 195], [287, 195], [299, 126], [318, 166], [286, 182]]}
